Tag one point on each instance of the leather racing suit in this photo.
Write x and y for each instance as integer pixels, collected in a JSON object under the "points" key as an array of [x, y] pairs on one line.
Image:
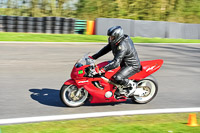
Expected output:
{"points": [[125, 56]]}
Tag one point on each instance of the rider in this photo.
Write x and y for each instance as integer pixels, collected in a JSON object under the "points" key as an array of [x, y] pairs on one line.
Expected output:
{"points": [[125, 56]]}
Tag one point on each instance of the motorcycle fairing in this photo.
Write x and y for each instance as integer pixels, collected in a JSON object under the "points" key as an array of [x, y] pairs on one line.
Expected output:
{"points": [[98, 95], [148, 67]]}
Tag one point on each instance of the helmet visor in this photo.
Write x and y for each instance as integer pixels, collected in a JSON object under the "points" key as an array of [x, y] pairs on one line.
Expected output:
{"points": [[111, 38]]}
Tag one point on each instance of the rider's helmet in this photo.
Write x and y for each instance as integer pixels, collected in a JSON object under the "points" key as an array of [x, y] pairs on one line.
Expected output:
{"points": [[115, 34]]}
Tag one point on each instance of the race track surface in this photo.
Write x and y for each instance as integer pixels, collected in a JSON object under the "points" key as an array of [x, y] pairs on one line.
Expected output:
{"points": [[32, 74]]}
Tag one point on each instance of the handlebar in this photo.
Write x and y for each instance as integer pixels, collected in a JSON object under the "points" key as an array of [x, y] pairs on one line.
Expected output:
{"points": [[95, 70]]}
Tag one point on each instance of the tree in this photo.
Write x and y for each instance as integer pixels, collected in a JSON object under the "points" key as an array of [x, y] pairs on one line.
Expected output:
{"points": [[157, 10]]}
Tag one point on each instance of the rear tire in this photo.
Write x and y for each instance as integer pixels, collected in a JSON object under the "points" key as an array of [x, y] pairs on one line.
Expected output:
{"points": [[149, 84], [69, 98]]}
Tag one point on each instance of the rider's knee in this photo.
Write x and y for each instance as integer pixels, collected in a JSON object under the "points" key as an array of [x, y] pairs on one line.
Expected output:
{"points": [[118, 78]]}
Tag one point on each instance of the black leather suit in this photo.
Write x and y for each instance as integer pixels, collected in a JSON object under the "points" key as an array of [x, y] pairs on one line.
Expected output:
{"points": [[125, 56]]}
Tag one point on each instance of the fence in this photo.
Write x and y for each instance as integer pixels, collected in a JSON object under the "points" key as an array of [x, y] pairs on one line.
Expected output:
{"points": [[150, 28], [37, 24], [69, 26]]}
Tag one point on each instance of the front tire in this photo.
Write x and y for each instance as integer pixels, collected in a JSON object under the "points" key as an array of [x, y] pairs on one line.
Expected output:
{"points": [[149, 84], [69, 97]]}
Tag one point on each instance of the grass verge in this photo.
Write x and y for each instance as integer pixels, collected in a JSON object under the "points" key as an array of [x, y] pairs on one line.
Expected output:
{"points": [[39, 37], [157, 123]]}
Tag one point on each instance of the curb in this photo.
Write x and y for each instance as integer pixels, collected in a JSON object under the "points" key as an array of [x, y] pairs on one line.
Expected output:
{"points": [[94, 115]]}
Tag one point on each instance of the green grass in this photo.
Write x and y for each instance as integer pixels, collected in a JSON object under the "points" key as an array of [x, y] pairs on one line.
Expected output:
{"points": [[36, 37], [157, 123]]}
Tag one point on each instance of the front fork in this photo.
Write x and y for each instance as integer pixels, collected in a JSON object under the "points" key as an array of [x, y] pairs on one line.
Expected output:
{"points": [[79, 92]]}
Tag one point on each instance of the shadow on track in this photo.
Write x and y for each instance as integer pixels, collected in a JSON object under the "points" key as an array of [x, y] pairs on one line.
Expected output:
{"points": [[51, 97], [47, 96]]}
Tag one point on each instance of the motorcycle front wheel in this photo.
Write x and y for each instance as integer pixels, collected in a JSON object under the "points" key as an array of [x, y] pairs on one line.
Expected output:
{"points": [[73, 97], [150, 87]]}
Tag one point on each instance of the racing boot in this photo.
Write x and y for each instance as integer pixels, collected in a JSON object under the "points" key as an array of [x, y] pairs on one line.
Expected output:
{"points": [[132, 86]]}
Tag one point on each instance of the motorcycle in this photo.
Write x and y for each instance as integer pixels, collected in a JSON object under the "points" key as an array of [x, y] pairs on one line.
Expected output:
{"points": [[87, 83]]}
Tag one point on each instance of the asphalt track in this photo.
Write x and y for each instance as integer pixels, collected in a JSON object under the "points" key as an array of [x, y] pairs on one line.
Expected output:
{"points": [[32, 74]]}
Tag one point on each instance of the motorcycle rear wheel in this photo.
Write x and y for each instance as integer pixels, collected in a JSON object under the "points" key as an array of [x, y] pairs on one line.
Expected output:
{"points": [[149, 84], [69, 98]]}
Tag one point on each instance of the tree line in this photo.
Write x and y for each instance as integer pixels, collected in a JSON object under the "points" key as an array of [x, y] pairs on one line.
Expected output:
{"points": [[186, 11]]}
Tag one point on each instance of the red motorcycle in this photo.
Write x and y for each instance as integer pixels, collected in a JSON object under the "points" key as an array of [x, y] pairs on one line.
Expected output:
{"points": [[87, 83]]}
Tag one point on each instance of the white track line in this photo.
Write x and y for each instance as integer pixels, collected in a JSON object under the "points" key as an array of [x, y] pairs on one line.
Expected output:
{"points": [[82, 43], [98, 114]]}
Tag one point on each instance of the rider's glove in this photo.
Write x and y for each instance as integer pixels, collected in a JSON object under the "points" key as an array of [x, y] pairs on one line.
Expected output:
{"points": [[102, 70], [91, 57]]}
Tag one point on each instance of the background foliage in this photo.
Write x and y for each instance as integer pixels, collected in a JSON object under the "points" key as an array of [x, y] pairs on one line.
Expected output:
{"points": [[186, 11]]}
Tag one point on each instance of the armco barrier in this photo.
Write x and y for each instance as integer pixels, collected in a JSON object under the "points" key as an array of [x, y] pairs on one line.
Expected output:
{"points": [[102, 25], [191, 31], [198, 31], [183, 30], [149, 28], [133, 27], [175, 30], [80, 26]]}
